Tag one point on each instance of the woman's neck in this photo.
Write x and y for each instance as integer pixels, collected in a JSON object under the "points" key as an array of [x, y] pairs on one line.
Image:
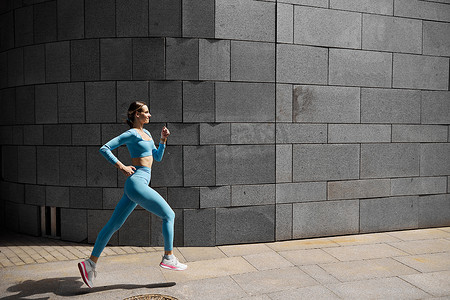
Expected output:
{"points": [[138, 126]]}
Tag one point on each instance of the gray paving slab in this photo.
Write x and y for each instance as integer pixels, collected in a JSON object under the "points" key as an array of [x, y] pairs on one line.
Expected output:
{"points": [[436, 284]]}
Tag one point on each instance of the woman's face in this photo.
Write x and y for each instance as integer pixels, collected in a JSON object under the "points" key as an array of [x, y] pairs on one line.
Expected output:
{"points": [[144, 115]]}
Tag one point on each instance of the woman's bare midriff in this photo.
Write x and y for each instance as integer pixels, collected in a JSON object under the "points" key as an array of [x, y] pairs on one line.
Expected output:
{"points": [[146, 161]]}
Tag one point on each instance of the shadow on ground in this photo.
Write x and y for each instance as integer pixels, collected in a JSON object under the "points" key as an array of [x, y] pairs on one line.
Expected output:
{"points": [[69, 286]]}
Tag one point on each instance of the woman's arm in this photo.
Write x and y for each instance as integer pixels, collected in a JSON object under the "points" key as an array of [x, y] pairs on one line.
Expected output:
{"points": [[106, 151]]}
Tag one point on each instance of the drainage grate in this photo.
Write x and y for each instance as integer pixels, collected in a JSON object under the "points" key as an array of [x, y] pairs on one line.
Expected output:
{"points": [[151, 297]]}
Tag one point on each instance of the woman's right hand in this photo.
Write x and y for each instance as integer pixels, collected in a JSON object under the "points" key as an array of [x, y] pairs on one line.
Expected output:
{"points": [[128, 170]]}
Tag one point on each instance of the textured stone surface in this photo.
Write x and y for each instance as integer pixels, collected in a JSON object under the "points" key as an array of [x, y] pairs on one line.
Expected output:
{"points": [[164, 18], [245, 164], [83, 197], [436, 40], [100, 18], [15, 67], [434, 159], [283, 164], [285, 19], [325, 162], [85, 60], [198, 18], [128, 91], [345, 133], [57, 135], [422, 10], [166, 101], [148, 58], [245, 20], [325, 218], [215, 197], [392, 34], [24, 99], [199, 227], [199, 166], [246, 58], [26, 157], [182, 58], [301, 64], [47, 165], [34, 64], [198, 102], [252, 133], [356, 189], [7, 25], [214, 59], [29, 220], [136, 229], [23, 29], [434, 210], [183, 197], [284, 103], [325, 27], [418, 186], [419, 133], [316, 3], [80, 136], [301, 192], [71, 107], [74, 225], [116, 59], [33, 135], [420, 72], [215, 133], [390, 106], [57, 196], [98, 173], [301, 133], [246, 195], [70, 17], [35, 194], [245, 224], [45, 25], [383, 7], [360, 68], [100, 97], [132, 18], [169, 172], [72, 166], [283, 226], [389, 160], [435, 107], [96, 219]]}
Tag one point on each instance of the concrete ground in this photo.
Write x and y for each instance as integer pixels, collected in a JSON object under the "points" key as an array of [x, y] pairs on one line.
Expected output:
{"points": [[411, 264]]}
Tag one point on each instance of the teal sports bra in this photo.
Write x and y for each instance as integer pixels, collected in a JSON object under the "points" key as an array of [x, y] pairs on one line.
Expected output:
{"points": [[137, 146]]}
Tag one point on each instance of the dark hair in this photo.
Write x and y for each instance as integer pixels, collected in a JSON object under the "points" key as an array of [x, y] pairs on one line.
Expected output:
{"points": [[134, 107]]}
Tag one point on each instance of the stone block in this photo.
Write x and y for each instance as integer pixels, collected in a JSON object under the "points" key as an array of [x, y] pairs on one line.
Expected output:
{"points": [[57, 196], [246, 164], [313, 219], [136, 229], [57, 62], [245, 224], [283, 225], [17, 132], [24, 105], [358, 189], [98, 173], [316, 3], [434, 159], [301, 64], [391, 34], [283, 163], [148, 58], [420, 72], [12, 216], [85, 197], [214, 59], [200, 227], [29, 220], [86, 134], [33, 135], [96, 220], [131, 18], [389, 160], [26, 158], [246, 60], [116, 59], [359, 133], [284, 93], [434, 211], [15, 67], [6, 135], [110, 131], [169, 172], [164, 18], [70, 19], [183, 197], [100, 18], [436, 40], [285, 21], [35, 194], [74, 225], [3, 70], [58, 134], [418, 186], [45, 25], [390, 106], [9, 163], [245, 102], [16, 193], [199, 165], [166, 102], [198, 18], [435, 107], [127, 92], [85, 60], [72, 166], [360, 68], [248, 195], [7, 113], [23, 26], [46, 103], [422, 10], [301, 192], [387, 214], [245, 20], [325, 162], [34, 64], [325, 27], [252, 133], [198, 101], [288, 133], [71, 101], [215, 133], [212, 197], [381, 7], [47, 165], [100, 97], [111, 197], [7, 30], [182, 59], [419, 133]]}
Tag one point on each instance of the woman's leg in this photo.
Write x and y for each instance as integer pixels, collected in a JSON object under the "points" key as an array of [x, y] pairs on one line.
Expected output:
{"points": [[121, 213]]}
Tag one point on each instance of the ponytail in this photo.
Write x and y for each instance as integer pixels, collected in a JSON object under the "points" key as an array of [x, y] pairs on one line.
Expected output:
{"points": [[134, 107]]}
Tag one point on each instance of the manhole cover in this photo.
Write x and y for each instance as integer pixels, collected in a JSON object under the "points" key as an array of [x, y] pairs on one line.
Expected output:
{"points": [[151, 297]]}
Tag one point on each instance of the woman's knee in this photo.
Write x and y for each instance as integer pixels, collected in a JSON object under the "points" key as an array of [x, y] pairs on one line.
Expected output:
{"points": [[170, 216]]}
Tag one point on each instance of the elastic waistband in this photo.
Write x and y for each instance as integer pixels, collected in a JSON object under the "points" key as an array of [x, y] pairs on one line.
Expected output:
{"points": [[143, 169]]}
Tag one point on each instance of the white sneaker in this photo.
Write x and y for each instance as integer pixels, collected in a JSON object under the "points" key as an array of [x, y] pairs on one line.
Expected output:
{"points": [[87, 272], [172, 264]]}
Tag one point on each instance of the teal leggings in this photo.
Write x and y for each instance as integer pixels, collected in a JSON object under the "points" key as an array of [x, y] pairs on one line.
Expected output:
{"points": [[137, 192]]}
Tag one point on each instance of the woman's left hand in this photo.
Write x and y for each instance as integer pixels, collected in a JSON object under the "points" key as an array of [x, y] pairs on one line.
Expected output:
{"points": [[165, 132]]}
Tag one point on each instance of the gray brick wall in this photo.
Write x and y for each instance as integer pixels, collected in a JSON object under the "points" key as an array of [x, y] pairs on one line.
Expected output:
{"points": [[289, 119]]}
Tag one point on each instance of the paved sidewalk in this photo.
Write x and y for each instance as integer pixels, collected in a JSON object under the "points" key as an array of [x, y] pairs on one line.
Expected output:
{"points": [[412, 264]]}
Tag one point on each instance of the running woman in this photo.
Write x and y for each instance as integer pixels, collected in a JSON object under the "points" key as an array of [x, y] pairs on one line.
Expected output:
{"points": [[136, 190]]}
